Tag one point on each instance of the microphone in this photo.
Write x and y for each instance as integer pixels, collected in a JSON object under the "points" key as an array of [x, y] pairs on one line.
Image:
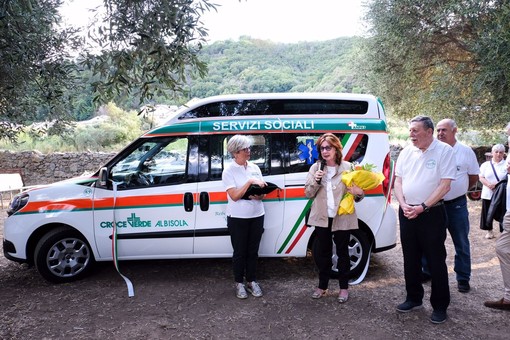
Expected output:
{"points": [[321, 166]]}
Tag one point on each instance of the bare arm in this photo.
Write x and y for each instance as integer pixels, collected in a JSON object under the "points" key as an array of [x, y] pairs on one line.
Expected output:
{"points": [[438, 194], [472, 180]]}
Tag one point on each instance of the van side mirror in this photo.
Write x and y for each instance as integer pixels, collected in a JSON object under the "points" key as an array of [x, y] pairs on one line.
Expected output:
{"points": [[103, 176]]}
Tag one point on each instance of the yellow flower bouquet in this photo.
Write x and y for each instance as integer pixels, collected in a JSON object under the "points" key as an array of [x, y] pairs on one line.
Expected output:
{"points": [[365, 178]]}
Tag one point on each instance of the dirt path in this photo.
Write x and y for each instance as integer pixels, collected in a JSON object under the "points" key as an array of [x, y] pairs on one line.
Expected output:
{"points": [[194, 299]]}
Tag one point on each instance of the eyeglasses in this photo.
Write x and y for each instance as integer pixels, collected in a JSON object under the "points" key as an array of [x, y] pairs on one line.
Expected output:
{"points": [[246, 149], [326, 148]]}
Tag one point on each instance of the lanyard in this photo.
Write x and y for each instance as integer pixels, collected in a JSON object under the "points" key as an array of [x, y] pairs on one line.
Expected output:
{"points": [[129, 284]]}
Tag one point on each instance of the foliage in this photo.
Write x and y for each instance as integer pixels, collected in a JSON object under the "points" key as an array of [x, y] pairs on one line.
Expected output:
{"points": [[118, 129], [447, 58], [35, 69], [109, 132], [148, 47]]}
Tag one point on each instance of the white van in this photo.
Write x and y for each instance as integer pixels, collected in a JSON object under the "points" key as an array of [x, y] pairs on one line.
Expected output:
{"points": [[162, 196]]}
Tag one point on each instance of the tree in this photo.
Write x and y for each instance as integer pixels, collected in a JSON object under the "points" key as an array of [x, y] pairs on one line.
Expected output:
{"points": [[35, 67], [146, 46], [441, 58]]}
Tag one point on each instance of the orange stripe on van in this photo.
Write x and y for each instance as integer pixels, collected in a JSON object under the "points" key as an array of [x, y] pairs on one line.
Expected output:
{"points": [[153, 200], [138, 201], [67, 205], [291, 193], [218, 197]]}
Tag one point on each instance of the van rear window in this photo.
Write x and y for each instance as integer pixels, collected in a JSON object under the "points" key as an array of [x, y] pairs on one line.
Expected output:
{"points": [[278, 107]]}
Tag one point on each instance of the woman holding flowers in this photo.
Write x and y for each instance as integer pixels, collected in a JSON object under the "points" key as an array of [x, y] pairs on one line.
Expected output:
{"points": [[324, 184]]}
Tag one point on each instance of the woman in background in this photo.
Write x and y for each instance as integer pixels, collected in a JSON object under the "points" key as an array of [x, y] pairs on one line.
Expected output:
{"points": [[491, 172]]}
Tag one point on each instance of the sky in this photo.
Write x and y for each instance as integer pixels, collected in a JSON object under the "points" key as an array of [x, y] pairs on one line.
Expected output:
{"points": [[284, 21]]}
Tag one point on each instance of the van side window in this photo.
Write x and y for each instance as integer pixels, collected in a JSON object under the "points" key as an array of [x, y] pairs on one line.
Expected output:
{"points": [[210, 154], [214, 157], [260, 153], [303, 153], [268, 107], [156, 162]]}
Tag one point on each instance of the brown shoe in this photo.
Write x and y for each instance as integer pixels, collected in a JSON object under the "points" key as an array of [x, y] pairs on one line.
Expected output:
{"points": [[499, 304]]}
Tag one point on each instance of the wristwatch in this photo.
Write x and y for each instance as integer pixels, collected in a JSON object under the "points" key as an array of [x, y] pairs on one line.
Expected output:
{"points": [[424, 206]]}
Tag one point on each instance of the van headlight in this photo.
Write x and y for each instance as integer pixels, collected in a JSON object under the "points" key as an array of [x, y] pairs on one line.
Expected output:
{"points": [[18, 202]]}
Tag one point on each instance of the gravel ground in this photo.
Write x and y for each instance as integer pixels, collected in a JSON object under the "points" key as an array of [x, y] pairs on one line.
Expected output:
{"points": [[194, 299]]}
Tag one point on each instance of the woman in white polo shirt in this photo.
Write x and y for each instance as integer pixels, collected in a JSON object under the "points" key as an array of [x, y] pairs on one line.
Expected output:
{"points": [[245, 217]]}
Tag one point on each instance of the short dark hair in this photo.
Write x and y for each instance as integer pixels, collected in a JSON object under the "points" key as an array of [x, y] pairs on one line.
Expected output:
{"points": [[426, 120]]}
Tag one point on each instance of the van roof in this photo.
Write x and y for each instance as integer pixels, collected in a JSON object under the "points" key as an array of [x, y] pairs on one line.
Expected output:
{"points": [[258, 104]]}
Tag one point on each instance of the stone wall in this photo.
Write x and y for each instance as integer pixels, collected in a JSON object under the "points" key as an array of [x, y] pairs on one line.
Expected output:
{"points": [[37, 168]]}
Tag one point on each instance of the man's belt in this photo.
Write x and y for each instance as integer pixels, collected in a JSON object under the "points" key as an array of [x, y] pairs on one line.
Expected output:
{"points": [[438, 204], [455, 200]]}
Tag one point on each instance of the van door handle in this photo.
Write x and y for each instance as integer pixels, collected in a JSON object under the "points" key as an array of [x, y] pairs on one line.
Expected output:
{"points": [[204, 201], [188, 201]]}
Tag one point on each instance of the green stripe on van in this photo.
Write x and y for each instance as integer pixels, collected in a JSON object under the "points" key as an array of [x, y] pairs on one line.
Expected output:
{"points": [[296, 225], [270, 124], [290, 124], [185, 127]]}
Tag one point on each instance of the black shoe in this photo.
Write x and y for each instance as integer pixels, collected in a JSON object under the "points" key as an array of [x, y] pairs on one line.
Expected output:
{"points": [[425, 277], [463, 286], [438, 317], [408, 306]]}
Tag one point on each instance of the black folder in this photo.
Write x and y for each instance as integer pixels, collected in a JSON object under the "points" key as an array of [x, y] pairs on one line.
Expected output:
{"points": [[256, 189]]}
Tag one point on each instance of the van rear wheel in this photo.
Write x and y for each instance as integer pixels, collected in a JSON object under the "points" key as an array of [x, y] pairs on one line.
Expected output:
{"points": [[359, 254], [63, 255]]}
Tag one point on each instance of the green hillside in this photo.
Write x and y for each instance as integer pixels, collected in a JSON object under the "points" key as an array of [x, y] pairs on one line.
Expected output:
{"points": [[251, 65]]}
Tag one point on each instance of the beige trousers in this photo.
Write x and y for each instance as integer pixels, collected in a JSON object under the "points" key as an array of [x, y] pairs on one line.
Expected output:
{"points": [[503, 251]]}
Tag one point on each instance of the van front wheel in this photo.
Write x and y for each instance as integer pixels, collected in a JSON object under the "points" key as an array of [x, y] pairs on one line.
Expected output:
{"points": [[63, 255]]}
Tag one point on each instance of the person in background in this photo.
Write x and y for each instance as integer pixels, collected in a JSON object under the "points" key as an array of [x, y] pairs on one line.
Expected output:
{"points": [[245, 217], [503, 248], [424, 171], [455, 202], [491, 172], [324, 184]]}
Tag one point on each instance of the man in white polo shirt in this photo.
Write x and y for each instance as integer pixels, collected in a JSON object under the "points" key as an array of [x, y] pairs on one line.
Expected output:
{"points": [[455, 201], [423, 172]]}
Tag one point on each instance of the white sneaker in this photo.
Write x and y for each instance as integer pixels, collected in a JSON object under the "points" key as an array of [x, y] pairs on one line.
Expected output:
{"points": [[254, 288], [489, 235], [241, 291]]}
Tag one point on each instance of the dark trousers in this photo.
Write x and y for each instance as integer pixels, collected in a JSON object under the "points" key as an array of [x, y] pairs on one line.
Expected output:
{"points": [[245, 235], [483, 216], [425, 236], [324, 251]]}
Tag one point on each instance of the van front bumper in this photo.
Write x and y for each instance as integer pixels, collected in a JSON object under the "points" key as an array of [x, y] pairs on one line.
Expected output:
{"points": [[9, 248]]}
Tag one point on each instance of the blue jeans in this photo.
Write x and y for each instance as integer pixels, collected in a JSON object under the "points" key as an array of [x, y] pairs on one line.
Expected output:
{"points": [[458, 226]]}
